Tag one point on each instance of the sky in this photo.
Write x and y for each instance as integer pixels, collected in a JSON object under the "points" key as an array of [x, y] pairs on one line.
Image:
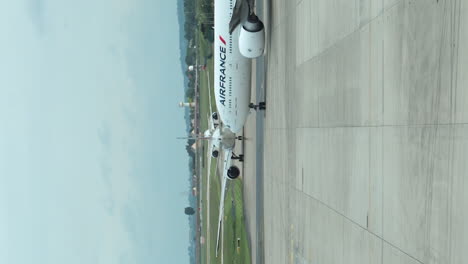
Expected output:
{"points": [[90, 167]]}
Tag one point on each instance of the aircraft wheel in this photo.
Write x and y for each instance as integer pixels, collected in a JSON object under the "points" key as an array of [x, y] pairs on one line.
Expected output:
{"points": [[262, 105], [233, 172]]}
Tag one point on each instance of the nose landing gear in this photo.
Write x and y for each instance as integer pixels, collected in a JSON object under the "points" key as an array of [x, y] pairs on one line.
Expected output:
{"points": [[238, 157], [259, 106]]}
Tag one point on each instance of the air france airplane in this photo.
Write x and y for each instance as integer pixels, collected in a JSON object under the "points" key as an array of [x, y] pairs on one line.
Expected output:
{"points": [[239, 37]]}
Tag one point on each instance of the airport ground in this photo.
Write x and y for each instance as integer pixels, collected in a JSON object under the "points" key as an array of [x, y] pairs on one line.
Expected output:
{"points": [[366, 132]]}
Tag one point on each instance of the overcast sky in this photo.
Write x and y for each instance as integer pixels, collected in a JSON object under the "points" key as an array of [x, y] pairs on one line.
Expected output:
{"points": [[90, 170]]}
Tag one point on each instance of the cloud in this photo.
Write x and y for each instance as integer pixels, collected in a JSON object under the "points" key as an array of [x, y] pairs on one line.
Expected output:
{"points": [[36, 11]]}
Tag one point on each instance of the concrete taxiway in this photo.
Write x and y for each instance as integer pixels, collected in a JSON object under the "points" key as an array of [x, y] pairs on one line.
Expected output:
{"points": [[366, 132]]}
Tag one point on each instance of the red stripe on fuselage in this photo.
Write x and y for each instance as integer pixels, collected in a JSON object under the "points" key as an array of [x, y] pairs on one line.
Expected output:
{"points": [[222, 40]]}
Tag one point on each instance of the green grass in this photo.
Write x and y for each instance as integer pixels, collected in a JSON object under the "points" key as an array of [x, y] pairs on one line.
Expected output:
{"points": [[234, 222], [204, 224], [215, 195], [203, 50], [234, 226]]}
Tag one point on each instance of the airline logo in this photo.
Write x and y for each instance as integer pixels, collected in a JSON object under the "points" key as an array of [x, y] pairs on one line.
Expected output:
{"points": [[222, 71], [222, 40]]}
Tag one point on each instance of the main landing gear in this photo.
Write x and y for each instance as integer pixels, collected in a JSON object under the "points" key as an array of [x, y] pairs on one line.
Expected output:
{"points": [[259, 106], [238, 157]]}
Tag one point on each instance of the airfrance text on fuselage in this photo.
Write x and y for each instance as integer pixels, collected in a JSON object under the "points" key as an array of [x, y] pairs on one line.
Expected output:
{"points": [[222, 71]]}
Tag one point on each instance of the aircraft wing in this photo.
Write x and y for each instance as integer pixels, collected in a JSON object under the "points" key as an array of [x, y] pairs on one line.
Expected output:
{"points": [[209, 93], [210, 150], [210, 119], [238, 13], [224, 178]]}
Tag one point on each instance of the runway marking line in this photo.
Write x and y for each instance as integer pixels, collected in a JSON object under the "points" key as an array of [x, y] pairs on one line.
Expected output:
{"points": [[292, 246]]}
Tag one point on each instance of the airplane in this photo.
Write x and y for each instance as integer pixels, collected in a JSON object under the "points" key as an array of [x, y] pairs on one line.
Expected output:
{"points": [[239, 37]]}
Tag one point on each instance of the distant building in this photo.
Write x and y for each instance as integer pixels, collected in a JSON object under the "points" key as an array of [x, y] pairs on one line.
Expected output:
{"points": [[182, 104], [191, 68], [194, 146]]}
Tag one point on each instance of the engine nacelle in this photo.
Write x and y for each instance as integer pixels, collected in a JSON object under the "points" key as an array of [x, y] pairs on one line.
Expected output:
{"points": [[233, 172], [252, 38], [214, 115]]}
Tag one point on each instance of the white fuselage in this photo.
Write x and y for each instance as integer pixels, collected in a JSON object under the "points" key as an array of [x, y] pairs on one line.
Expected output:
{"points": [[232, 71]]}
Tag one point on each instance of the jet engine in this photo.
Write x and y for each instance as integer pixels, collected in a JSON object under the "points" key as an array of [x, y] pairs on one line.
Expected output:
{"points": [[252, 37], [215, 153], [214, 115], [233, 172]]}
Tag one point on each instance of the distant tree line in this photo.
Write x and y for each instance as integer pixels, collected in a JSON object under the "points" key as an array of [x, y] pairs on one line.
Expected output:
{"points": [[198, 18]]}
